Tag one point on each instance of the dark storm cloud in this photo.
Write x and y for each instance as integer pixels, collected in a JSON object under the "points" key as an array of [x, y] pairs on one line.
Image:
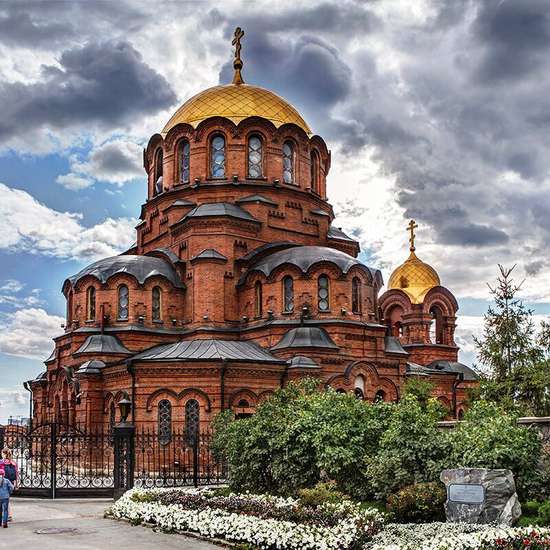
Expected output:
{"points": [[472, 235], [111, 159], [54, 23], [100, 84], [515, 35]]}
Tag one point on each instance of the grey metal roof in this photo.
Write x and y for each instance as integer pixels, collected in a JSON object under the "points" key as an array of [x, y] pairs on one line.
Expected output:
{"points": [[91, 367], [102, 344], [454, 367], [52, 356], [319, 212], [140, 267], [419, 370], [303, 257], [302, 362], [393, 345], [180, 203], [257, 198], [208, 350], [41, 377], [219, 209], [209, 254], [265, 247], [337, 233], [172, 256], [305, 337]]}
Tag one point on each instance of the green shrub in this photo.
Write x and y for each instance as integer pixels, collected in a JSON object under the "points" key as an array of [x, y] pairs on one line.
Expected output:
{"points": [[322, 493], [410, 450], [144, 497], [543, 517], [418, 503], [530, 508], [298, 437], [490, 437]]}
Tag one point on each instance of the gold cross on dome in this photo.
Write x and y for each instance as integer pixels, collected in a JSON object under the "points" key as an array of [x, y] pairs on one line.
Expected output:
{"points": [[411, 227], [238, 62]]}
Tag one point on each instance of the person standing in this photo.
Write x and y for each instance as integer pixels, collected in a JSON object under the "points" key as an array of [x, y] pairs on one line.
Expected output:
{"points": [[11, 472], [6, 489]]}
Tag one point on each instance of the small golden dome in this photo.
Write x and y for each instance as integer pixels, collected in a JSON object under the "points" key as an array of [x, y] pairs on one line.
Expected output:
{"points": [[414, 276], [236, 102]]}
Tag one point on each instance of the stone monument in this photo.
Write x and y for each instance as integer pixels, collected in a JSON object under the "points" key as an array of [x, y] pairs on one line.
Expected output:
{"points": [[479, 495]]}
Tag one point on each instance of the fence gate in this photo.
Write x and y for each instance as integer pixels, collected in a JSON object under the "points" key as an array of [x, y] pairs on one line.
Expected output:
{"points": [[56, 460]]}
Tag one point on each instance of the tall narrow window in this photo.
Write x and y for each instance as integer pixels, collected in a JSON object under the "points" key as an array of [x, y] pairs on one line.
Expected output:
{"points": [[255, 157], [164, 422], [112, 417], [314, 171], [122, 303], [288, 162], [436, 325], [359, 387], [90, 303], [157, 303], [217, 157], [183, 161], [288, 294], [356, 295], [69, 309], [258, 299], [192, 420], [323, 293], [159, 159]]}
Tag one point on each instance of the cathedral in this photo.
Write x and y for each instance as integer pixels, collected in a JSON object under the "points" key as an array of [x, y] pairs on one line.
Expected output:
{"points": [[239, 282]]}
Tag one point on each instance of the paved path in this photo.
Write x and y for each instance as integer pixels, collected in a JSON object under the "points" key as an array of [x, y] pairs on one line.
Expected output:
{"points": [[85, 529]]}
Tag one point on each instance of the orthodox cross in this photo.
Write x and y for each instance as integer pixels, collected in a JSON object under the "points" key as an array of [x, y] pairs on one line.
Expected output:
{"points": [[238, 62], [411, 227]]}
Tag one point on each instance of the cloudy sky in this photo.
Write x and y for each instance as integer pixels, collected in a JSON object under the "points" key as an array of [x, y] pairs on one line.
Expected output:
{"points": [[433, 110]]}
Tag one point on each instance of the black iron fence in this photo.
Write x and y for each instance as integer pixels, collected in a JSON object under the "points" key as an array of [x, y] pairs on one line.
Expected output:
{"points": [[55, 460]]}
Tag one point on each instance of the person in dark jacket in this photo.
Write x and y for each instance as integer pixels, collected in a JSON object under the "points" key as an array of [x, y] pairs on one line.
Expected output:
{"points": [[6, 489]]}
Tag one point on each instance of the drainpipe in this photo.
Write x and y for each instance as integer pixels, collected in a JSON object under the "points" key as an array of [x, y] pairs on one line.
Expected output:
{"points": [[27, 386], [222, 385], [132, 372], [456, 383]]}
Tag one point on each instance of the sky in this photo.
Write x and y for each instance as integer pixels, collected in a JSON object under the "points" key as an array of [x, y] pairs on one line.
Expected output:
{"points": [[434, 110]]}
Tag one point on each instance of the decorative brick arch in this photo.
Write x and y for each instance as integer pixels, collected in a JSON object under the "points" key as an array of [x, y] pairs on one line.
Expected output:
{"points": [[159, 394], [389, 388], [393, 298], [264, 395], [443, 298], [198, 394], [243, 393]]}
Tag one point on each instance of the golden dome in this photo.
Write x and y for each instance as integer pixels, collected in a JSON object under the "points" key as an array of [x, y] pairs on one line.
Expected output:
{"points": [[415, 278], [236, 102]]}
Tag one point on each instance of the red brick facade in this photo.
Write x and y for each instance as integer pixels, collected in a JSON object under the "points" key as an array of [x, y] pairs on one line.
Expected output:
{"points": [[223, 242]]}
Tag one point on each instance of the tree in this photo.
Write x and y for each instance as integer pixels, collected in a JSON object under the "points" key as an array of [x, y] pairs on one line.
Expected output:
{"points": [[517, 359]]}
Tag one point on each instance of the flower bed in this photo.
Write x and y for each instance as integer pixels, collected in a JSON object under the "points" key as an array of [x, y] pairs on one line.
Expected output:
{"points": [[459, 536], [264, 521]]}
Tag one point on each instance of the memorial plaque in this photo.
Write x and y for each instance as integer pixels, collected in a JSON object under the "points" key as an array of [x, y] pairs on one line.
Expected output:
{"points": [[466, 493]]}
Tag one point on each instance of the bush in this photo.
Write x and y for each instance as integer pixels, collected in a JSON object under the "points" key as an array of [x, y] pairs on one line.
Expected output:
{"points": [[410, 450], [543, 517], [418, 503], [298, 437], [320, 494], [490, 437]]}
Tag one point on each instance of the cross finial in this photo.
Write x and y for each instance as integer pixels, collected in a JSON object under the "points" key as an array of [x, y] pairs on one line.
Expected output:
{"points": [[411, 227], [238, 62]]}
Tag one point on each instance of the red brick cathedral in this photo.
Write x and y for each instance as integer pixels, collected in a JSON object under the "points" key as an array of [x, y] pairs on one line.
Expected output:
{"points": [[239, 282]]}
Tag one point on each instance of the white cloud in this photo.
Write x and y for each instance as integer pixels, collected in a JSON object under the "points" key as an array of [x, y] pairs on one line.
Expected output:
{"points": [[11, 295], [117, 161], [33, 227], [74, 182], [13, 402], [29, 332]]}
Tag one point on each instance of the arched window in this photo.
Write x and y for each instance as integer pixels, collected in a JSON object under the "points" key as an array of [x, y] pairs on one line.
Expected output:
{"points": [[323, 298], [159, 159], [69, 309], [255, 158], [112, 417], [288, 162], [164, 421], [192, 421], [243, 404], [359, 387], [314, 161], [90, 303], [258, 299], [394, 320], [122, 314], [217, 156], [288, 294], [356, 295], [183, 161], [380, 396], [436, 325], [157, 303]]}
